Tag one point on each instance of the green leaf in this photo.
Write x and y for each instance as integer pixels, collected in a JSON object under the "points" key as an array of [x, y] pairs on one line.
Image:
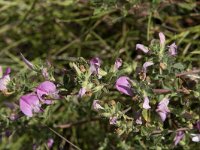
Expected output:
{"points": [[78, 71], [98, 88], [145, 114], [102, 72], [178, 66]]}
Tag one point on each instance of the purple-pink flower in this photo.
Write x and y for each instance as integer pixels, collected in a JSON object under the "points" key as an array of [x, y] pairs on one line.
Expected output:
{"points": [[162, 39], [47, 92], [179, 136], [118, 64], [139, 120], [82, 92], [113, 120], [163, 109], [30, 104], [28, 63], [50, 143], [4, 79], [146, 103], [142, 48], [44, 93], [95, 64], [172, 49], [122, 84], [45, 73], [145, 66], [96, 106]]}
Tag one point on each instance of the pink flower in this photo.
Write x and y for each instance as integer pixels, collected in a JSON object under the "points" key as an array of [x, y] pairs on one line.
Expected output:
{"points": [[118, 64], [4, 79], [81, 92], [172, 50], [146, 103], [95, 64], [113, 120], [142, 48], [28, 63], [45, 73], [30, 104], [50, 143], [47, 91], [139, 120], [162, 39], [162, 109], [122, 84], [146, 65], [96, 106], [179, 136]]}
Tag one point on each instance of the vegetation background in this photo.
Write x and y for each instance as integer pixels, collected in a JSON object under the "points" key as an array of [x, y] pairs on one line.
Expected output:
{"points": [[61, 30]]}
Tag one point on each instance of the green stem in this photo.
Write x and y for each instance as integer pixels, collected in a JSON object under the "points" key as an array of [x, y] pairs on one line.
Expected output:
{"points": [[64, 138], [149, 26]]}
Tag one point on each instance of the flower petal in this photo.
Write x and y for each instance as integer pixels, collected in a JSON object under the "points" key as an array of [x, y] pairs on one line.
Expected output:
{"points": [[4, 79], [28, 63], [162, 39], [172, 50], [45, 73], [95, 64], [96, 106], [123, 85], [50, 143], [118, 64], [146, 103], [142, 48], [179, 136], [146, 65], [81, 92], [4, 82], [29, 103], [113, 120], [163, 109], [47, 89]]}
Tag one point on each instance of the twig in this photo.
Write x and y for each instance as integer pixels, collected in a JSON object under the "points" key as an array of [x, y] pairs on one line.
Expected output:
{"points": [[126, 110], [188, 72], [161, 91], [64, 138], [169, 131], [166, 91], [69, 125]]}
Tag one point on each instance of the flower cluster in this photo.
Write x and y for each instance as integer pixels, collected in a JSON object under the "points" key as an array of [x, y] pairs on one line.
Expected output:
{"points": [[32, 102], [124, 86], [44, 93], [140, 92]]}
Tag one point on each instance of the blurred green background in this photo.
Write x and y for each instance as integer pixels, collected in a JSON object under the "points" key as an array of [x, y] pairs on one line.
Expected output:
{"points": [[60, 29]]}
